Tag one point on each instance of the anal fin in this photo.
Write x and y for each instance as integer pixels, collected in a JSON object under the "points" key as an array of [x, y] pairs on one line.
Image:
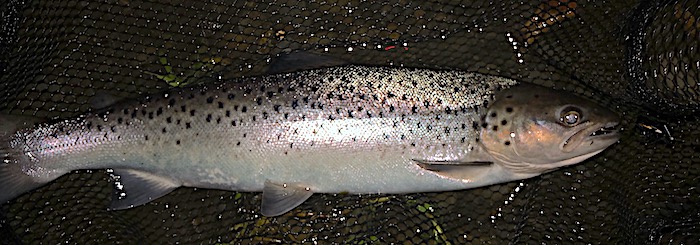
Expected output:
{"points": [[136, 187], [278, 199]]}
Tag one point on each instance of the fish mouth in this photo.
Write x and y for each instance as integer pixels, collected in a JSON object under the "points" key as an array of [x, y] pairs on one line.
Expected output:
{"points": [[592, 132]]}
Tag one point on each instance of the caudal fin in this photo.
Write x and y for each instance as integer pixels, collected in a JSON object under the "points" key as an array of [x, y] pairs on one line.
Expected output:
{"points": [[13, 181]]}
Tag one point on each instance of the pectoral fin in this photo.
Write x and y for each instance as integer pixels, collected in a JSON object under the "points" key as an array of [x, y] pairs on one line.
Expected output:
{"points": [[136, 187], [456, 169], [277, 199]]}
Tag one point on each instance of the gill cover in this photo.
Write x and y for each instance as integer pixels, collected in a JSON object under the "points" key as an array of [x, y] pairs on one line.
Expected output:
{"points": [[532, 129]]}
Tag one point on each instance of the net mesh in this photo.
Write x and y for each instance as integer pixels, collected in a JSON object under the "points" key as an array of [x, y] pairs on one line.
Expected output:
{"points": [[640, 58]]}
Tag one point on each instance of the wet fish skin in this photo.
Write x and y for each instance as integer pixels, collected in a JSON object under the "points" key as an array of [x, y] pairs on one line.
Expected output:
{"points": [[344, 129]]}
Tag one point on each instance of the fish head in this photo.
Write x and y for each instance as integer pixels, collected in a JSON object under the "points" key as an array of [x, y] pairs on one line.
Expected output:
{"points": [[533, 129]]}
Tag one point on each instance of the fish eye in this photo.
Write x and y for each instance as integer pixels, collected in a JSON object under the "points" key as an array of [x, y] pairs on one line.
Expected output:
{"points": [[570, 117]]}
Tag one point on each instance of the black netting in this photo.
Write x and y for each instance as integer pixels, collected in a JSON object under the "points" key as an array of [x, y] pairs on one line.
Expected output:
{"points": [[639, 57]]}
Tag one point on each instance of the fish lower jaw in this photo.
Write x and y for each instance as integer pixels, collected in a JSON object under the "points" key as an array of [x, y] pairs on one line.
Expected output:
{"points": [[531, 170], [592, 133]]}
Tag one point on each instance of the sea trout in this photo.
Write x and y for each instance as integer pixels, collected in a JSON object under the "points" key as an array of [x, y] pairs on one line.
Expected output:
{"points": [[347, 129]]}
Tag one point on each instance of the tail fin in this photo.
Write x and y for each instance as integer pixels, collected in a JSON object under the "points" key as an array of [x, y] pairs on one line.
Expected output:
{"points": [[13, 181]]}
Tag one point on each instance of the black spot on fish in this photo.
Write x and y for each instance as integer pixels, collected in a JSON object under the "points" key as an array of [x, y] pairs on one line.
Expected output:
{"points": [[183, 108], [188, 125], [476, 139], [150, 115], [463, 139], [507, 142], [145, 137], [177, 142], [244, 109], [413, 144], [228, 113], [231, 96], [475, 125], [112, 129], [171, 102], [233, 123], [270, 94], [276, 108], [238, 143], [133, 114], [504, 122], [126, 111], [120, 120], [258, 100], [253, 118], [218, 120], [484, 125], [208, 118], [493, 114], [159, 111], [221, 105], [191, 112], [164, 130], [235, 107], [286, 115], [245, 134], [509, 109], [414, 109], [264, 114], [509, 96], [495, 128], [99, 128], [390, 95], [177, 122], [391, 108], [89, 125]]}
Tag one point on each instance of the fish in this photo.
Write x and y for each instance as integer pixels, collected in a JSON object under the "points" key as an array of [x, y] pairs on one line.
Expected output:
{"points": [[346, 129]]}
